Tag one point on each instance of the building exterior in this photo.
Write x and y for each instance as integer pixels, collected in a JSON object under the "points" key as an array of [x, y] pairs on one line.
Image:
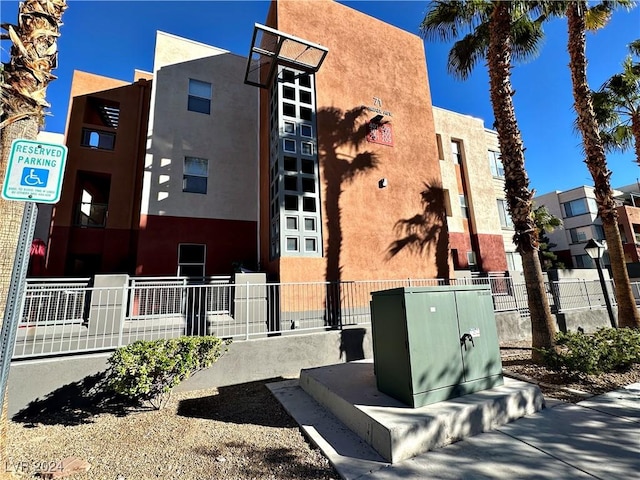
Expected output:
{"points": [[480, 228], [579, 212], [357, 230], [332, 173]]}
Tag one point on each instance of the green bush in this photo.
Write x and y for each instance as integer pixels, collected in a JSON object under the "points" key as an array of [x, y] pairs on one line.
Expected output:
{"points": [[607, 350], [147, 370]]}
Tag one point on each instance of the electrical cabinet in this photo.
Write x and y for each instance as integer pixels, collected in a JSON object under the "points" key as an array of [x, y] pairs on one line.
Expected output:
{"points": [[434, 343]]}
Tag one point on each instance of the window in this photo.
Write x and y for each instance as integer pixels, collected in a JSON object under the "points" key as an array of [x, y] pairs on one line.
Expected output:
{"points": [[289, 93], [503, 213], [514, 261], [580, 234], [289, 109], [292, 244], [98, 139], [199, 96], [306, 131], [583, 261], [599, 232], [497, 170], [289, 145], [291, 182], [292, 223], [439, 144], [636, 232], [291, 202], [305, 97], [307, 148], [288, 76], [304, 80], [308, 166], [623, 234], [464, 206], [191, 260], [456, 151], [309, 204], [471, 258], [289, 127], [196, 171], [310, 224], [310, 245], [306, 114], [579, 207], [290, 164]]}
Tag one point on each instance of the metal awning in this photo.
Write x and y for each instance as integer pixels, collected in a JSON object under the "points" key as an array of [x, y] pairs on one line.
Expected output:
{"points": [[270, 48]]}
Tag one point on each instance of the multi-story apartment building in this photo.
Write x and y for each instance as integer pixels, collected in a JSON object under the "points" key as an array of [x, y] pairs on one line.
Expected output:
{"points": [[329, 171], [480, 228], [579, 212]]}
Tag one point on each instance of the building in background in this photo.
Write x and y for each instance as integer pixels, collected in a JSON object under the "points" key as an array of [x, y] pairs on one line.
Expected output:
{"points": [[480, 227], [326, 173], [579, 212]]}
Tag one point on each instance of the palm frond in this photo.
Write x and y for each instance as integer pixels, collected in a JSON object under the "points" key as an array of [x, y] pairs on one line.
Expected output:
{"points": [[448, 20], [526, 39], [466, 53]]}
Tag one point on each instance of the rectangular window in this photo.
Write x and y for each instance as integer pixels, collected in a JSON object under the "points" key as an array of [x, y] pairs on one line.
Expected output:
{"points": [[306, 148], [199, 96], [471, 258], [191, 260], [497, 170], [503, 213], [310, 245], [292, 223], [439, 144], [98, 139], [580, 234], [623, 234], [306, 131], [310, 224], [576, 207], [289, 127], [464, 206], [292, 244], [456, 152], [196, 172], [583, 261], [289, 145], [636, 232], [599, 232]]}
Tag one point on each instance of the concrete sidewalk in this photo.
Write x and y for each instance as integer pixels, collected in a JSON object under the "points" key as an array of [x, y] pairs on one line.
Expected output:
{"points": [[596, 438]]}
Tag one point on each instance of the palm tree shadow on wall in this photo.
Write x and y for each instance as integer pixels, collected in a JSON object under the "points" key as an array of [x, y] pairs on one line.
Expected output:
{"points": [[425, 231], [343, 132]]}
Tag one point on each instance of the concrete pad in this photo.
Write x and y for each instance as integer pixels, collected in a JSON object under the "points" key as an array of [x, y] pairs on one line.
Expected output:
{"points": [[568, 441], [347, 452], [397, 431], [621, 403]]}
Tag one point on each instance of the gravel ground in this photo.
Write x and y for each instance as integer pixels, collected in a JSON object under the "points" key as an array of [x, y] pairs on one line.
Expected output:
{"points": [[237, 432]]}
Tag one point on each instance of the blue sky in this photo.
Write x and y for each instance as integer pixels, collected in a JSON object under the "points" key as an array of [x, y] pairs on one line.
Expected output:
{"points": [[115, 37]]}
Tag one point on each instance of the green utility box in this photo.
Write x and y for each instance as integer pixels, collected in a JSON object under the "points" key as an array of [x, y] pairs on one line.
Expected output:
{"points": [[434, 343]]}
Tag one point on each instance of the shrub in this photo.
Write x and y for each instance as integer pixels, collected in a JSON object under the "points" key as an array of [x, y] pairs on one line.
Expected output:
{"points": [[607, 350], [147, 370]]}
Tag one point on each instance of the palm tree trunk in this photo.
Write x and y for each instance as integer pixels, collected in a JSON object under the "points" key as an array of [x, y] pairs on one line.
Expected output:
{"points": [[25, 79], [597, 164], [519, 196], [635, 129]]}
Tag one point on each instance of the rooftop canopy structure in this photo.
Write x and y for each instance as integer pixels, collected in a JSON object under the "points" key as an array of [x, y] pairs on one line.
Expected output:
{"points": [[270, 47]]}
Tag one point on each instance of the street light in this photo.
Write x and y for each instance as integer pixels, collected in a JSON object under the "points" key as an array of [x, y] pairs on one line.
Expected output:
{"points": [[595, 250]]}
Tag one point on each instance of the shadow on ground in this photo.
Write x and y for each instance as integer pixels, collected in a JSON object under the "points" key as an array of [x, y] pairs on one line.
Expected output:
{"points": [[75, 403], [245, 403]]}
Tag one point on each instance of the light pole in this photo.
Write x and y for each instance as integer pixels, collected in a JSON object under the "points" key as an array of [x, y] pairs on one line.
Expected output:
{"points": [[595, 250]]}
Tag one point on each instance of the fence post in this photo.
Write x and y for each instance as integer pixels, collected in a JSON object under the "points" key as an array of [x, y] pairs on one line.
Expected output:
{"points": [[246, 293], [123, 312]]}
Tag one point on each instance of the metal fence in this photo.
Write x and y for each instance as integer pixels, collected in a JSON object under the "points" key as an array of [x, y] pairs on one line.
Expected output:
{"points": [[71, 315]]}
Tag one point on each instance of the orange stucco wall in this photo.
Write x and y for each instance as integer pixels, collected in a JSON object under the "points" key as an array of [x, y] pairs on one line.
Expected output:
{"points": [[368, 232], [122, 165], [627, 217]]}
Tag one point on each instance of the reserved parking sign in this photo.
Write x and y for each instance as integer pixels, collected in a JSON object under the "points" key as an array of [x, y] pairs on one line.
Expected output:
{"points": [[34, 172]]}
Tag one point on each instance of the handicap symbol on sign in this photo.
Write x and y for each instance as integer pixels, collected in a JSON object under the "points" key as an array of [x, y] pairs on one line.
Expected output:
{"points": [[34, 177]]}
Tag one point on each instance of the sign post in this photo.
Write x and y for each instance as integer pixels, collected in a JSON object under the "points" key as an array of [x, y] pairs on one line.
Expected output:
{"points": [[34, 174]]}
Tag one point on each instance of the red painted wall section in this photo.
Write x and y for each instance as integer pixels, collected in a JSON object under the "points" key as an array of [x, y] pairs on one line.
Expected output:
{"points": [[462, 243], [491, 257], [227, 241]]}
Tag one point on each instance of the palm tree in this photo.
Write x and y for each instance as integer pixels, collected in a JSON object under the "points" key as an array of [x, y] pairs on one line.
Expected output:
{"points": [[497, 32], [617, 106], [24, 81], [546, 222], [580, 18]]}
